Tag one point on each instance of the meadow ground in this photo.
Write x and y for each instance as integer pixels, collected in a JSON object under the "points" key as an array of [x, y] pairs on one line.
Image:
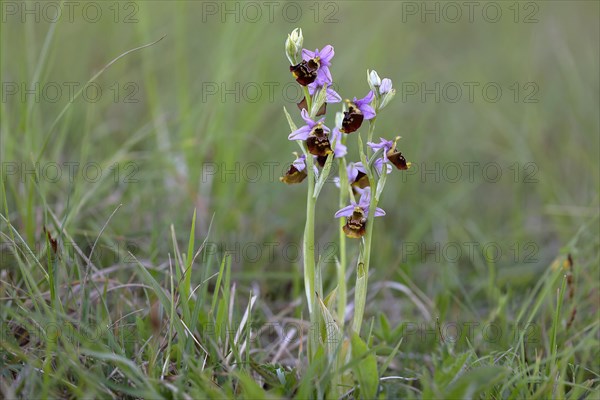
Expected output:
{"points": [[471, 293]]}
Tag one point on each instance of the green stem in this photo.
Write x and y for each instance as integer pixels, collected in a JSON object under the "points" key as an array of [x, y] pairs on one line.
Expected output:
{"points": [[308, 250], [371, 129], [342, 261], [360, 294]]}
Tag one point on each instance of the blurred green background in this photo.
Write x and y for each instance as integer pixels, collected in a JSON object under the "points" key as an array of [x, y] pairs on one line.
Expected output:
{"points": [[171, 113]]}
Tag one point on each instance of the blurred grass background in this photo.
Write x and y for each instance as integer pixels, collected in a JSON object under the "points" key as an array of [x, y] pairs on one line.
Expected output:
{"points": [[177, 131]]}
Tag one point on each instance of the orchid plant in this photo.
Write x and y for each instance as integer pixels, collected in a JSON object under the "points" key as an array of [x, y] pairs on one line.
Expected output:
{"points": [[320, 146]]}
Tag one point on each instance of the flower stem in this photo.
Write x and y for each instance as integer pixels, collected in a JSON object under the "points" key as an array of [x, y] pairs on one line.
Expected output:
{"points": [[342, 261], [360, 293], [308, 250], [371, 129]]}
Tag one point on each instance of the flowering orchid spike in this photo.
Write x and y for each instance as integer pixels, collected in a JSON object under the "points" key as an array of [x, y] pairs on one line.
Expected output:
{"points": [[358, 110]]}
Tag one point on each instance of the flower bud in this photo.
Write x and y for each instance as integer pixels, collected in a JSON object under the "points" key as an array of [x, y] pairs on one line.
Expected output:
{"points": [[373, 80], [385, 86], [293, 46]]}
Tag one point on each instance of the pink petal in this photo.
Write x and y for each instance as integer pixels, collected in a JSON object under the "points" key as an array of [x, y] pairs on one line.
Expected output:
{"points": [[300, 164], [386, 86], [368, 98], [367, 111], [326, 54], [300, 134], [307, 55], [333, 96], [359, 166], [345, 212], [352, 172], [379, 212], [306, 117]]}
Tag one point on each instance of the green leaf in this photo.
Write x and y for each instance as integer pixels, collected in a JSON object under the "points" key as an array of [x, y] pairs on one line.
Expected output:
{"points": [[316, 374], [333, 335], [318, 101], [386, 330], [250, 389], [363, 159], [226, 260], [390, 358], [331, 298], [323, 175], [289, 120], [374, 157], [381, 182], [149, 279], [361, 287], [451, 369], [189, 259], [366, 370], [472, 382]]}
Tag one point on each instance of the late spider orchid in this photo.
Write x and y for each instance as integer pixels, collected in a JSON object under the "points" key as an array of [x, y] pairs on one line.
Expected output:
{"points": [[390, 153], [357, 175], [360, 183], [315, 133], [314, 67], [356, 214], [339, 149], [305, 73], [296, 173], [323, 58], [358, 110], [384, 144]]}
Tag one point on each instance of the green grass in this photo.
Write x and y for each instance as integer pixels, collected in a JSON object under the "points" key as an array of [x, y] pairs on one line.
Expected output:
{"points": [[172, 281]]}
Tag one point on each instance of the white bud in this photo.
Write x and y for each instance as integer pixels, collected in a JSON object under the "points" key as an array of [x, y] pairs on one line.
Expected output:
{"points": [[374, 81], [293, 46], [386, 86]]}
